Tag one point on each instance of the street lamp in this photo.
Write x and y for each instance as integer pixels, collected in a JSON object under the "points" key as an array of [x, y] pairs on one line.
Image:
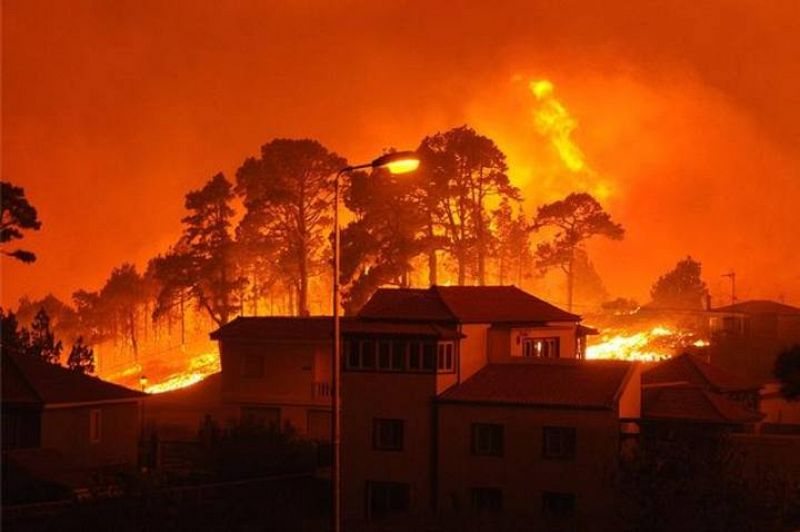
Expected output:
{"points": [[400, 162]]}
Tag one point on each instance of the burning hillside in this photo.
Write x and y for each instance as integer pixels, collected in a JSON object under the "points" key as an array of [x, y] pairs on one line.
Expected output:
{"points": [[649, 345]]}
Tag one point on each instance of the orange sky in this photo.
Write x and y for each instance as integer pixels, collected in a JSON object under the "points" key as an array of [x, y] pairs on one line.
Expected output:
{"points": [[690, 109]]}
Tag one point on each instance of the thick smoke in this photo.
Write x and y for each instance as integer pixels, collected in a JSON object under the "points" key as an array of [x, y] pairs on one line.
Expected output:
{"points": [[689, 111]]}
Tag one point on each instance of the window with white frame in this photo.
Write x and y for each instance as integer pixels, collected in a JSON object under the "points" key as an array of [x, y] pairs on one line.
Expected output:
{"points": [[541, 347], [398, 354], [445, 356]]}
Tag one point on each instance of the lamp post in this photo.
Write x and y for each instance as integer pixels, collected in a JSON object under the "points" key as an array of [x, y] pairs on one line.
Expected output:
{"points": [[397, 163]]}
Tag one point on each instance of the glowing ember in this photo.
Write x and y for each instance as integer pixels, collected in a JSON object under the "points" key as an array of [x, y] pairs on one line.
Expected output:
{"points": [[657, 343]]}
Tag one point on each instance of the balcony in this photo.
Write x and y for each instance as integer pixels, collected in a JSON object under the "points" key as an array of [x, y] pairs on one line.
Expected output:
{"points": [[321, 389]]}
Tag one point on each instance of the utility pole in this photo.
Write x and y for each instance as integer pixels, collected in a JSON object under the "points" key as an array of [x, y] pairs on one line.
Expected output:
{"points": [[732, 275]]}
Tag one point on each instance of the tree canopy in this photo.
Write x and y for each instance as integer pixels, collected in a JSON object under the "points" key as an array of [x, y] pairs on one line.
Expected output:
{"points": [[464, 169], [16, 215], [288, 196], [680, 288], [576, 218]]}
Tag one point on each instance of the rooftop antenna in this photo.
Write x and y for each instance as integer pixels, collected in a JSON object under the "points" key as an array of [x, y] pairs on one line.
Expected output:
{"points": [[732, 275]]}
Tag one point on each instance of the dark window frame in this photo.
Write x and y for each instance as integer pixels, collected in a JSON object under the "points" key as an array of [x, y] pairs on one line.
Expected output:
{"points": [[559, 442], [484, 499], [398, 430], [559, 505], [487, 439], [396, 498]]}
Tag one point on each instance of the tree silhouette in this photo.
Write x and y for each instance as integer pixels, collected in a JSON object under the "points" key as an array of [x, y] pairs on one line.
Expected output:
{"points": [[681, 287], [122, 295], [201, 265], [512, 243], [787, 371], [93, 320], [576, 218], [43, 343], [12, 338], [81, 357], [288, 194], [387, 233], [464, 170], [17, 215], [63, 319]]}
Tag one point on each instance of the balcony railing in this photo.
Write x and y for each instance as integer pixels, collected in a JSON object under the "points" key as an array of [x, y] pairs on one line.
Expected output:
{"points": [[321, 389]]}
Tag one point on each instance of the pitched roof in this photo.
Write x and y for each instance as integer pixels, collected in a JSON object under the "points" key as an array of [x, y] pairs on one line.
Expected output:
{"points": [[692, 369], [320, 329], [30, 380], [760, 306], [422, 304], [686, 402], [557, 383], [465, 304]]}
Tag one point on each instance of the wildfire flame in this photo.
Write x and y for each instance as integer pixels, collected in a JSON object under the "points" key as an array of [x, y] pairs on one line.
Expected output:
{"points": [[657, 343], [554, 122], [200, 367]]}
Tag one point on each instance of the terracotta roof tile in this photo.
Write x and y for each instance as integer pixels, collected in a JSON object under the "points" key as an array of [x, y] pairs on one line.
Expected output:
{"points": [[694, 370], [686, 402], [320, 328], [556, 383], [465, 304], [760, 306]]}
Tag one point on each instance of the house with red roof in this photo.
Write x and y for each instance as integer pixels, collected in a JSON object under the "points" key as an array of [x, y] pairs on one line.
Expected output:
{"points": [[747, 337], [421, 368], [534, 445], [686, 389], [55, 415]]}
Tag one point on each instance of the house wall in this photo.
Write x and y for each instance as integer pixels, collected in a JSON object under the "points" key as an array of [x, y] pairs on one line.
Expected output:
{"points": [[505, 343], [406, 396], [630, 400], [473, 349], [290, 371], [68, 430], [522, 473]]}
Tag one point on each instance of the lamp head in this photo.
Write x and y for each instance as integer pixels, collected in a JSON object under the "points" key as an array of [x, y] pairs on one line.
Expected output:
{"points": [[399, 162]]}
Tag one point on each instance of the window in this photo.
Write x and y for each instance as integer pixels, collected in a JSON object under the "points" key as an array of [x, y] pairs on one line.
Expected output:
{"points": [[384, 354], [94, 426], [252, 367], [353, 354], [368, 354], [399, 355], [487, 439], [386, 498], [487, 500], [540, 347], [555, 504], [414, 356], [387, 434], [444, 356], [558, 443], [261, 416], [428, 356]]}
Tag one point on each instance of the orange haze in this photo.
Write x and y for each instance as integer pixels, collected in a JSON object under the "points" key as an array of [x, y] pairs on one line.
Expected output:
{"points": [[688, 111]]}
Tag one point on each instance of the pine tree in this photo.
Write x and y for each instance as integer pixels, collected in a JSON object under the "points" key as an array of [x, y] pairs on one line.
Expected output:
{"points": [[576, 218], [81, 357], [16, 215], [43, 343]]}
